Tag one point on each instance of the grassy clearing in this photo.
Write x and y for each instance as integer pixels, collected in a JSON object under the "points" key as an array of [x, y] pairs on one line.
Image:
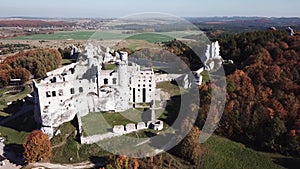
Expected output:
{"points": [[13, 136], [5, 98], [67, 150], [135, 44], [100, 123], [78, 35], [205, 76], [16, 130], [66, 130], [73, 152], [3, 114], [3, 102], [75, 35], [110, 67], [106, 35], [223, 153], [10, 98], [157, 37], [169, 87], [152, 37], [20, 95], [68, 61], [120, 118], [94, 123], [219, 153]]}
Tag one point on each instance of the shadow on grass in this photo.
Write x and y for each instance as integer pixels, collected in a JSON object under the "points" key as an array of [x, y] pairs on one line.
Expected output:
{"points": [[25, 122], [14, 153], [290, 163], [98, 161], [16, 106], [172, 108]]}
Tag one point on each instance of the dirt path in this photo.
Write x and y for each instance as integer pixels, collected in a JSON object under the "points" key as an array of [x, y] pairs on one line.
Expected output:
{"points": [[62, 143], [64, 166]]}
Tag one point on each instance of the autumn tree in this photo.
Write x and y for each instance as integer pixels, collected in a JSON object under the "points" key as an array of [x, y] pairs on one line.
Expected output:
{"points": [[20, 73], [122, 162], [37, 62], [189, 147], [37, 147], [263, 99]]}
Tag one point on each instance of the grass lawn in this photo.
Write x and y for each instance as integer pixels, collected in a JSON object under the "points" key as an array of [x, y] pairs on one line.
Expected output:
{"points": [[205, 76], [68, 61], [20, 95], [106, 35], [75, 35], [100, 123], [219, 152], [65, 149], [94, 123], [12, 136], [152, 37], [136, 45], [61, 35], [3, 102], [10, 98], [110, 67], [169, 87], [223, 153], [16, 130], [5, 98]]}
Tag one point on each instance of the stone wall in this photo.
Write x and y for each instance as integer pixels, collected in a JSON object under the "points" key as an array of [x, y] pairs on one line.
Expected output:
{"points": [[120, 130]]}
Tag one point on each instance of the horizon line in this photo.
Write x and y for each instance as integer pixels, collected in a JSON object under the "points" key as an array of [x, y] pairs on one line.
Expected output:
{"points": [[114, 17]]}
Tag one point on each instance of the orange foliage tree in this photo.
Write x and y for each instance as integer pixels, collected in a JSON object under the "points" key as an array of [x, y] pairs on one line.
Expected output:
{"points": [[123, 162], [37, 147]]}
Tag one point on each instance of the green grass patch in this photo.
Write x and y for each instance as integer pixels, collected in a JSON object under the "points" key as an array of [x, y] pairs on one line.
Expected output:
{"points": [[68, 61], [180, 34], [152, 37], [107, 35], [75, 35], [61, 35], [66, 130], [12, 136], [102, 122], [205, 77], [66, 150], [3, 114], [5, 98], [169, 87], [94, 123], [136, 45], [121, 118], [223, 153], [3, 102], [110, 67], [3, 90], [20, 95]]}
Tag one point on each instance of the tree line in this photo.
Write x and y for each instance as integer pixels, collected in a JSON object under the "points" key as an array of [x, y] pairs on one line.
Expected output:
{"points": [[22, 65], [263, 99]]}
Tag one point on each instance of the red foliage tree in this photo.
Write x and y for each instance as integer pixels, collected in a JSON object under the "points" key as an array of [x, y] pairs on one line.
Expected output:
{"points": [[37, 147]]}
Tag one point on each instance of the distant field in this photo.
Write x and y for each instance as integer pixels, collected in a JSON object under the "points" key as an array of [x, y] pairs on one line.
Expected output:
{"points": [[152, 37], [107, 35], [66, 35]]}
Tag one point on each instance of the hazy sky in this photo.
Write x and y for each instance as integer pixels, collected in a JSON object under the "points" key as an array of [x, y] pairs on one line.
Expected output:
{"points": [[119, 8]]}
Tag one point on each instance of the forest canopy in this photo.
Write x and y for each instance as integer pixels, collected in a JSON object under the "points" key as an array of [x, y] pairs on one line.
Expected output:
{"points": [[263, 89], [35, 62]]}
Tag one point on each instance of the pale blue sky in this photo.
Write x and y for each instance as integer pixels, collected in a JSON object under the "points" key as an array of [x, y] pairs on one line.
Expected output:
{"points": [[119, 8]]}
